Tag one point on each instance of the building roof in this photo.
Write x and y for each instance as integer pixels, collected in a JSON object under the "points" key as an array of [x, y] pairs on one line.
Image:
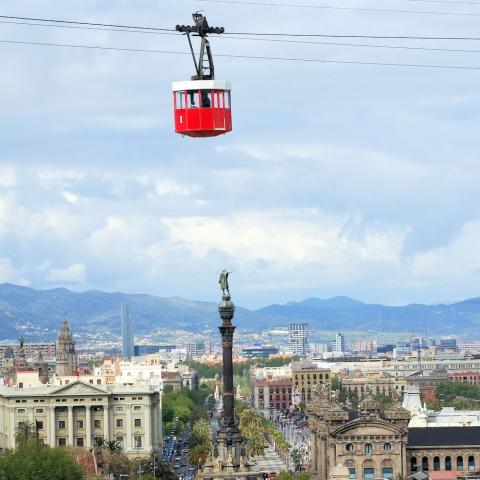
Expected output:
{"points": [[443, 436], [443, 475]]}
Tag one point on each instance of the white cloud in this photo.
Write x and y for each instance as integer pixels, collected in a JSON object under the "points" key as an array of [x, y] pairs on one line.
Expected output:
{"points": [[10, 274], [75, 274]]}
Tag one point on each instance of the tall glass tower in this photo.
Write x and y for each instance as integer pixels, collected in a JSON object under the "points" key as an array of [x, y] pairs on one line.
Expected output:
{"points": [[127, 333]]}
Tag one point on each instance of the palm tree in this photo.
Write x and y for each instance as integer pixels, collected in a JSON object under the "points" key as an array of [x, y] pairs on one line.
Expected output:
{"points": [[202, 431], [112, 446], [250, 420], [256, 445], [26, 431]]}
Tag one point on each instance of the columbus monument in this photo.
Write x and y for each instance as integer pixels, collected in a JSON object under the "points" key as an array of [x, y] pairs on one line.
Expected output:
{"points": [[228, 458]]}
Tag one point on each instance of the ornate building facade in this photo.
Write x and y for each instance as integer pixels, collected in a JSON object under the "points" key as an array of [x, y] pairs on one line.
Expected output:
{"points": [[77, 413], [375, 442]]}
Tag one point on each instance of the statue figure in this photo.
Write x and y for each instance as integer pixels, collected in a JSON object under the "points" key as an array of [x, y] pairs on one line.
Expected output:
{"points": [[22, 341], [223, 281]]}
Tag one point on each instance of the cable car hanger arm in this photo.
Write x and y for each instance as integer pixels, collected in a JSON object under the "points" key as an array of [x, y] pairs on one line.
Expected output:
{"points": [[202, 29]]}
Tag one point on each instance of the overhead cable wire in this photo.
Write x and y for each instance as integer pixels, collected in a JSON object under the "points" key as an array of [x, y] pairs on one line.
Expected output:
{"points": [[350, 9], [250, 57], [77, 22], [361, 45], [80, 27], [134, 28], [273, 40]]}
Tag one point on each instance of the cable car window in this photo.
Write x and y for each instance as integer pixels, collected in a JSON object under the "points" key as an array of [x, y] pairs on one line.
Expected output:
{"points": [[192, 99], [206, 98], [227, 99], [220, 99], [180, 99]]}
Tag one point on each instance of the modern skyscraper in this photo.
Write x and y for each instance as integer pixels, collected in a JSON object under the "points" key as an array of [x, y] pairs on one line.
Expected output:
{"points": [[298, 338], [340, 343], [127, 333]]}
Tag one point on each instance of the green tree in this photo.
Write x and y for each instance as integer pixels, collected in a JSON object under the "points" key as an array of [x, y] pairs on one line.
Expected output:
{"points": [[335, 383], [286, 475], [297, 458], [25, 431], [34, 461]]}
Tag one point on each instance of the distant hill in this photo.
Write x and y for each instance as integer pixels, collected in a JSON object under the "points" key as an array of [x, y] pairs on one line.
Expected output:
{"points": [[39, 313]]}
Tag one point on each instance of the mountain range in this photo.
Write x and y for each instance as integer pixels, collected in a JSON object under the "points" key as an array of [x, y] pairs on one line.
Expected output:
{"points": [[39, 312]]}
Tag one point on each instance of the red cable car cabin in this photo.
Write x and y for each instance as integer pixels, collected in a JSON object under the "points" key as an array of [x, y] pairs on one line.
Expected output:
{"points": [[202, 107]]}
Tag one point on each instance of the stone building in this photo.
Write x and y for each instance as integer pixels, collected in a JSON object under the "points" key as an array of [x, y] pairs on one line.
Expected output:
{"points": [[370, 442], [383, 384], [373, 442], [66, 360], [306, 376], [271, 389], [77, 413]]}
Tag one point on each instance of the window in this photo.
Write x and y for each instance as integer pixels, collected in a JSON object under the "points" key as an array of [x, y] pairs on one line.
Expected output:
{"points": [[368, 448], [413, 464], [227, 105], [138, 422], [387, 472], [206, 98], [137, 441], [387, 446], [39, 410], [20, 411], [62, 442], [61, 424], [368, 473], [79, 423], [137, 408], [119, 440], [119, 408], [180, 99], [99, 381], [192, 99], [436, 464], [119, 423], [424, 464], [349, 447], [352, 474], [448, 463], [97, 424], [39, 425], [460, 463], [79, 442], [471, 463]]}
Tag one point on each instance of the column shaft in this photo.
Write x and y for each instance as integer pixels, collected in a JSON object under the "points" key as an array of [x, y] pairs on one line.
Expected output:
{"points": [[70, 425], [11, 421], [88, 427], [148, 427], [106, 423], [52, 441], [128, 443]]}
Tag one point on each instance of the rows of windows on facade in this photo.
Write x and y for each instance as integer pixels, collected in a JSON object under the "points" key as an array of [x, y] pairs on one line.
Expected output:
{"points": [[71, 404]]}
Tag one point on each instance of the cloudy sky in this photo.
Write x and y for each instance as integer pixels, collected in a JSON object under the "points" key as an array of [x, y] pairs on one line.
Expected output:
{"points": [[337, 179]]}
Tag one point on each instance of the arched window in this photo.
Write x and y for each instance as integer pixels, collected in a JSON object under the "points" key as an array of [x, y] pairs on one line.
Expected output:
{"points": [[413, 464], [368, 470], [471, 463], [424, 464], [459, 463], [387, 446], [436, 463], [448, 462], [368, 448], [387, 469]]}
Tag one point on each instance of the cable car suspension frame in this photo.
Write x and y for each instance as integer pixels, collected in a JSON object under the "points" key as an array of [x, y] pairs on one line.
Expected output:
{"points": [[201, 29]]}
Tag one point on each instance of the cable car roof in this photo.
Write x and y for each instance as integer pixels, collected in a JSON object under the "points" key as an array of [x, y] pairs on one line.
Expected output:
{"points": [[201, 85]]}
